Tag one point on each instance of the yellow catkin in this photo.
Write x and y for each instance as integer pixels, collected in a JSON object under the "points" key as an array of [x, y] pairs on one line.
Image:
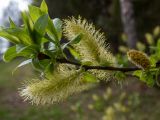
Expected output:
{"points": [[138, 58], [92, 47], [63, 84]]}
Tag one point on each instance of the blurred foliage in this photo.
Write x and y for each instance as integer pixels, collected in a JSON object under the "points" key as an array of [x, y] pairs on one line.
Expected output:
{"points": [[106, 14]]}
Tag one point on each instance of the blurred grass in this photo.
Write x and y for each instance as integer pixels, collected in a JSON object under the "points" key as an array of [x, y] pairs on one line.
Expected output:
{"points": [[12, 107]]}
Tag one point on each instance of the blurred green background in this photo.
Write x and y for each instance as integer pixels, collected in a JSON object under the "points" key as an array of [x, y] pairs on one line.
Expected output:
{"points": [[130, 100]]}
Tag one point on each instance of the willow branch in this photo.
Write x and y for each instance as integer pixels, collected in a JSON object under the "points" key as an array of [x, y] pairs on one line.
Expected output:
{"points": [[110, 68]]}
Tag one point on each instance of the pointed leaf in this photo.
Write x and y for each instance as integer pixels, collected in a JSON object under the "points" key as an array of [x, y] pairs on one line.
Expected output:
{"points": [[34, 12], [27, 22], [58, 26], [20, 34], [12, 24], [9, 37], [44, 7], [51, 31], [32, 49], [10, 54], [22, 64], [41, 24], [77, 39]]}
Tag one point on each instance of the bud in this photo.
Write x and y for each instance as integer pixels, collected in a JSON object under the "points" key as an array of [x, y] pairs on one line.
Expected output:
{"points": [[138, 58]]}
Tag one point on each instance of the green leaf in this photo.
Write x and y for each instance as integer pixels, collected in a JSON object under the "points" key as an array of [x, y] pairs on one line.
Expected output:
{"points": [[32, 49], [27, 22], [9, 37], [51, 31], [12, 24], [89, 77], [44, 7], [137, 73], [76, 39], [20, 34], [10, 54], [74, 53], [51, 46], [35, 12], [146, 76], [41, 24], [58, 26]]}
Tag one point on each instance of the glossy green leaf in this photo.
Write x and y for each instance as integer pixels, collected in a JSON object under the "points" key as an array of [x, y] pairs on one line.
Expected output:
{"points": [[9, 37], [51, 31], [51, 46], [41, 24], [19, 33], [32, 49], [58, 26]]}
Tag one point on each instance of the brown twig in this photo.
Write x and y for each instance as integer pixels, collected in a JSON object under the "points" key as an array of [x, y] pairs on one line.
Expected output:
{"points": [[124, 69]]}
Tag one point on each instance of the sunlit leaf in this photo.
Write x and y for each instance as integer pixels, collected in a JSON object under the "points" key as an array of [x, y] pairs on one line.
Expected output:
{"points": [[35, 12], [20, 34], [9, 37], [44, 7]]}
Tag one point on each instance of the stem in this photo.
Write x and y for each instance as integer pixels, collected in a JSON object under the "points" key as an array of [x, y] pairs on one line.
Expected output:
{"points": [[124, 69]]}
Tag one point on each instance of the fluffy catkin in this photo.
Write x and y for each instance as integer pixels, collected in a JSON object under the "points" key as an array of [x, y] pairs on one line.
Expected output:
{"points": [[92, 46], [55, 89], [138, 58]]}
